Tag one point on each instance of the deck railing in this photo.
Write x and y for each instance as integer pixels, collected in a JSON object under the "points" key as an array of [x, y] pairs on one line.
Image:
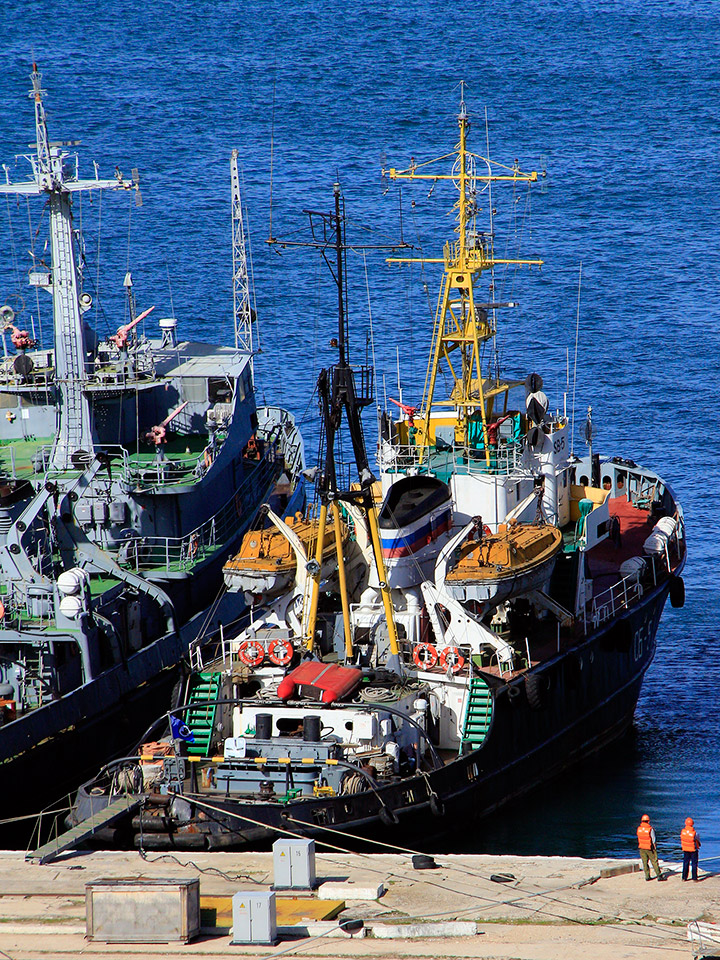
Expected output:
{"points": [[402, 458], [611, 602], [182, 553]]}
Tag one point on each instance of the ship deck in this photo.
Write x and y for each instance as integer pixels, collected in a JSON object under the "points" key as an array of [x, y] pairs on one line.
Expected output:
{"points": [[606, 557]]}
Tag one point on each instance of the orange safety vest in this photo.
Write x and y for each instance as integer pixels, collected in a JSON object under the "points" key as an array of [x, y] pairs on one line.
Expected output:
{"points": [[689, 840], [644, 832]]}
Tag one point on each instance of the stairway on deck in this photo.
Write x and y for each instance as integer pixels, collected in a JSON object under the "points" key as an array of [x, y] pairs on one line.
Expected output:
{"points": [[478, 714], [200, 717]]}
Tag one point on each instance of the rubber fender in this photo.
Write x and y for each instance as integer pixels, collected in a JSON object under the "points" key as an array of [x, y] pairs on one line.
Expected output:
{"points": [[437, 807], [536, 689], [503, 877], [513, 691], [677, 592], [421, 861], [389, 817], [163, 841]]}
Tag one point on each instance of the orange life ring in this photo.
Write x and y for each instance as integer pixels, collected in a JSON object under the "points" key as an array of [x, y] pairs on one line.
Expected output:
{"points": [[193, 544], [425, 656], [2, 610], [251, 652], [281, 652], [451, 659]]}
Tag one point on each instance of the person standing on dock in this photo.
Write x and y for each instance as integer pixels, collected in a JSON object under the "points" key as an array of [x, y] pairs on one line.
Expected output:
{"points": [[690, 842], [646, 845]]}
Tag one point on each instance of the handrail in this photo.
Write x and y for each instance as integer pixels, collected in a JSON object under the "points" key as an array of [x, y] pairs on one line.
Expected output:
{"points": [[182, 553], [619, 596], [506, 457]]}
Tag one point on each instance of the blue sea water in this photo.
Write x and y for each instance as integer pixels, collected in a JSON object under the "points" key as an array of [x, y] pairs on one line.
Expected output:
{"points": [[620, 102]]}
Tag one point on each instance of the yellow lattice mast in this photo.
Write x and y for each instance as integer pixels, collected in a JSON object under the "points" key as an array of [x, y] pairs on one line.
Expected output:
{"points": [[461, 323]]}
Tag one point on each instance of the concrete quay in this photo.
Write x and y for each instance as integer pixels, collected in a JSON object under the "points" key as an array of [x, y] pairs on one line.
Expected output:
{"points": [[496, 908]]}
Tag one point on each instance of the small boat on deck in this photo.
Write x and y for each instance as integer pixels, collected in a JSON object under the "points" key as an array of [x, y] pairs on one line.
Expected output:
{"points": [[415, 521], [485, 568]]}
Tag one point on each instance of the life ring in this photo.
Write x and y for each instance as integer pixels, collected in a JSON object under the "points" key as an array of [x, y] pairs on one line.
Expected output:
{"points": [[451, 659], [425, 656], [2, 610], [193, 544], [281, 652], [251, 652]]}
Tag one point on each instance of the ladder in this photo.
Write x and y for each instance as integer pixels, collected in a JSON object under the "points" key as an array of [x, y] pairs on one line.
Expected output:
{"points": [[478, 714], [75, 430], [200, 716], [118, 807]]}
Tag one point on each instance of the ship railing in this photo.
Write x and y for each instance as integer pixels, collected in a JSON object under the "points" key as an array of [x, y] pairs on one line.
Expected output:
{"points": [[43, 458], [606, 605], [138, 367], [505, 458], [178, 554], [170, 471], [40, 378]]}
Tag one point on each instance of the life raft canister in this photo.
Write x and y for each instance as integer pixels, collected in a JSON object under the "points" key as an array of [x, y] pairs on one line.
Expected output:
{"points": [[251, 652], [425, 656], [451, 659], [281, 652]]}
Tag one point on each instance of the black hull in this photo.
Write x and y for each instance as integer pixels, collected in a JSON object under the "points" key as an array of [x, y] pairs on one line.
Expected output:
{"points": [[572, 706]]}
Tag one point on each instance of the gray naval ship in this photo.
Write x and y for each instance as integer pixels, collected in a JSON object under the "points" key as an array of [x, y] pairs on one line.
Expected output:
{"points": [[130, 467]]}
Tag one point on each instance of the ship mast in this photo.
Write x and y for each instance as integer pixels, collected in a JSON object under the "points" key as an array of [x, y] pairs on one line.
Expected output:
{"points": [[340, 396], [461, 322], [53, 180], [242, 305]]}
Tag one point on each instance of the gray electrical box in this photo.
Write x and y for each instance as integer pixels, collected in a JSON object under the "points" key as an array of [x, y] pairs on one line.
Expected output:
{"points": [[254, 917], [294, 865], [143, 911]]}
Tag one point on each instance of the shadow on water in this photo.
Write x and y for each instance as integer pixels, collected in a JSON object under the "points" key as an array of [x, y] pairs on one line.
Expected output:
{"points": [[581, 813]]}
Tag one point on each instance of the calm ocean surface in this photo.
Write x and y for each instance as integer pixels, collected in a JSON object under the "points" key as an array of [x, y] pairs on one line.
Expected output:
{"points": [[621, 102]]}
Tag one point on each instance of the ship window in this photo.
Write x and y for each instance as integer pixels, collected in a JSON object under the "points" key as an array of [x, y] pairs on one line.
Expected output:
{"points": [[220, 389], [195, 389]]}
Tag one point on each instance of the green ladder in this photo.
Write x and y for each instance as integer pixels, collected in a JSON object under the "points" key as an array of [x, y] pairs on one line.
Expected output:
{"points": [[478, 714], [200, 717]]}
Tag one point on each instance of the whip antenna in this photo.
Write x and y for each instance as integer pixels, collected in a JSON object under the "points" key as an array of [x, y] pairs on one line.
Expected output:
{"points": [[577, 334]]}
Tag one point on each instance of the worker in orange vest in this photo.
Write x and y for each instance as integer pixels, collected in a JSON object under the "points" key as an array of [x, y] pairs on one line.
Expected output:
{"points": [[690, 843], [646, 845]]}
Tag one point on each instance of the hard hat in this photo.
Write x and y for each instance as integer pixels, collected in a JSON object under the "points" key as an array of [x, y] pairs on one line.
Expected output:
{"points": [[645, 817], [689, 822]]}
